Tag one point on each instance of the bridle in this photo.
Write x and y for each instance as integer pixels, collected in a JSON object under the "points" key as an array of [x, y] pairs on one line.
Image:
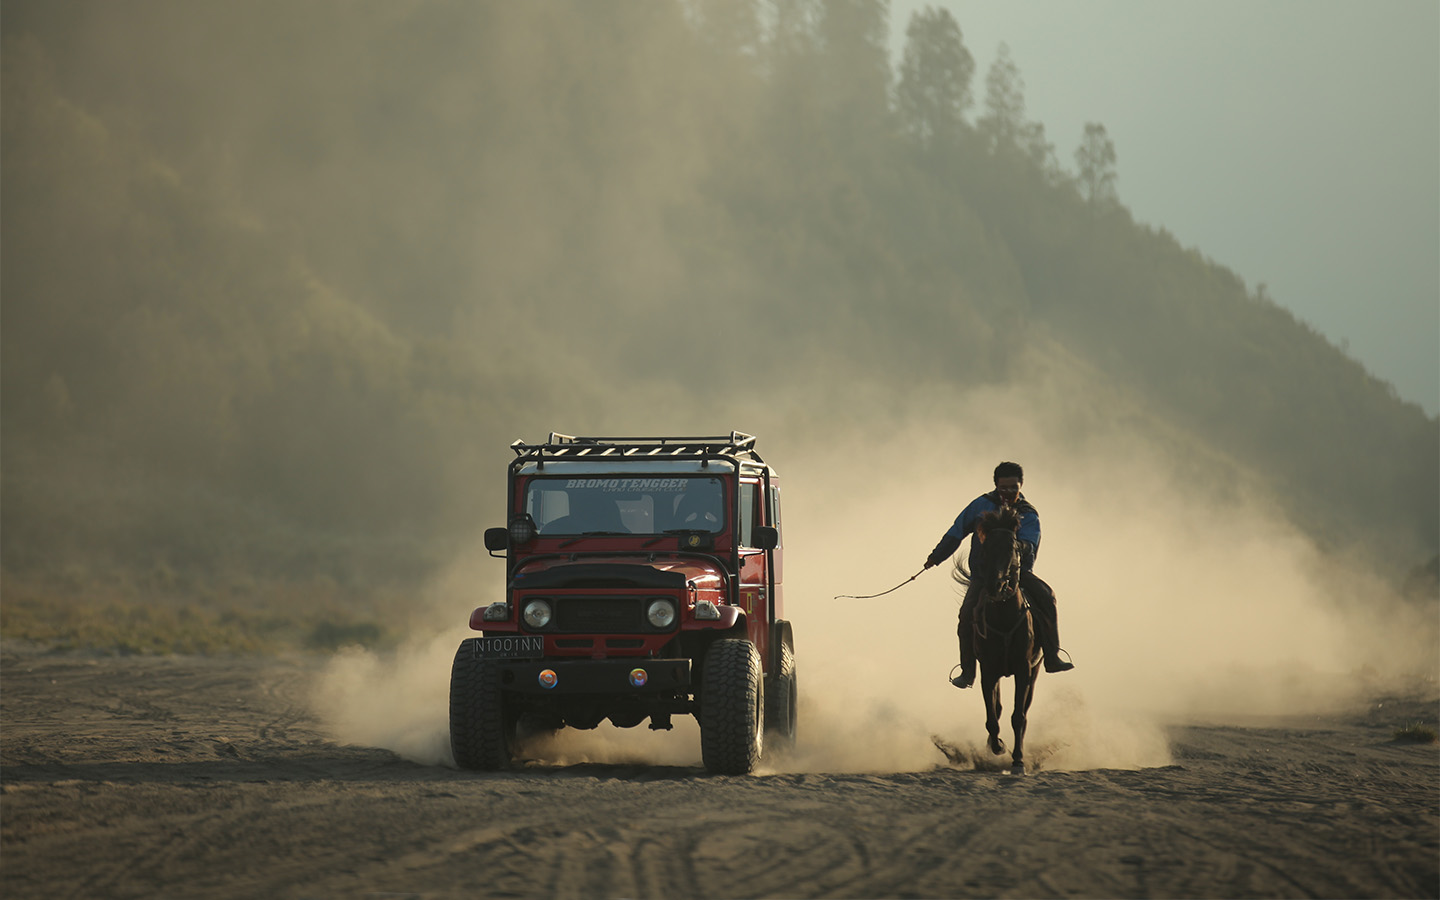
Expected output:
{"points": [[1009, 581]]}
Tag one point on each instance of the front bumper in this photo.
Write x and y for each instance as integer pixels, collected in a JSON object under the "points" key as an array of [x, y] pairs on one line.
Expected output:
{"points": [[636, 677]]}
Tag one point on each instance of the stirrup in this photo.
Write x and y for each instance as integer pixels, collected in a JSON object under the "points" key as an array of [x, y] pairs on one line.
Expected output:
{"points": [[1055, 664], [964, 679]]}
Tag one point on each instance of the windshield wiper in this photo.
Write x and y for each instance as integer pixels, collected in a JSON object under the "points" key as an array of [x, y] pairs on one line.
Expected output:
{"points": [[585, 534]]}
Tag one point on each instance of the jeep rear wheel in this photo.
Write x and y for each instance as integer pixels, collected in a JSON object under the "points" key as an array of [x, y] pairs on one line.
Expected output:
{"points": [[482, 731], [780, 701], [732, 724]]}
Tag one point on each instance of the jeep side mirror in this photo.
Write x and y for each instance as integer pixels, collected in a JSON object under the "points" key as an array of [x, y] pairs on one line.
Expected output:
{"points": [[497, 539], [765, 537]]}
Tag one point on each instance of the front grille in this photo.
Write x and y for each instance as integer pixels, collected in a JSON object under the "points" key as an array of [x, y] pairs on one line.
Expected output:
{"points": [[601, 615]]}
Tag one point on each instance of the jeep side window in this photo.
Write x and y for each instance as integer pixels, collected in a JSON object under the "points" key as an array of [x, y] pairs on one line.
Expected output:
{"points": [[775, 509], [748, 495]]}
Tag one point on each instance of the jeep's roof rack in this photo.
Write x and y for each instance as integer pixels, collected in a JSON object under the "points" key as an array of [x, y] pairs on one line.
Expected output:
{"points": [[736, 444]]}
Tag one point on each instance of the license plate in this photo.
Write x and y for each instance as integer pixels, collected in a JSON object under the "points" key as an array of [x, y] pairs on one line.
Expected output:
{"points": [[510, 647]]}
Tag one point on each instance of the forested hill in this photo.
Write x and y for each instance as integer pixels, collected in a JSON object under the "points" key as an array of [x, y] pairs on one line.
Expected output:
{"points": [[276, 272]]}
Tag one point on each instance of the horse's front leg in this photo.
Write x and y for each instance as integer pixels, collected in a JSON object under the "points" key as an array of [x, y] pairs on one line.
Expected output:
{"points": [[1023, 688], [1024, 693], [990, 687]]}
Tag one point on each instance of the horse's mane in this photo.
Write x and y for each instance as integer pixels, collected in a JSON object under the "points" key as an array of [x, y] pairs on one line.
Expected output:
{"points": [[1006, 518]]}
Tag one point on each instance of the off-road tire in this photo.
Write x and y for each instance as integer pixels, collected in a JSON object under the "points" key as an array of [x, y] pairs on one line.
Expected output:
{"points": [[482, 731], [780, 702], [732, 704]]}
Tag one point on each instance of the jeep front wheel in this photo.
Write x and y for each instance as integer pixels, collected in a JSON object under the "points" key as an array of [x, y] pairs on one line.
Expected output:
{"points": [[732, 704], [482, 731]]}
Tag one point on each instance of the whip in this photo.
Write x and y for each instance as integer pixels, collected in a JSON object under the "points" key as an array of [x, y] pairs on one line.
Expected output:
{"points": [[882, 593]]}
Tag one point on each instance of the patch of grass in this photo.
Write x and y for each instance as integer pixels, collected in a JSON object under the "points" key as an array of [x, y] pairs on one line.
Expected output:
{"points": [[1415, 733], [262, 619], [330, 635]]}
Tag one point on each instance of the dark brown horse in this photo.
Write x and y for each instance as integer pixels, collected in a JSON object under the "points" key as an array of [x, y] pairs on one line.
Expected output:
{"points": [[1005, 641]]}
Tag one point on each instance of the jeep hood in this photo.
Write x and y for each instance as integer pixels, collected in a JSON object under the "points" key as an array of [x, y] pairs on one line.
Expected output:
{"points": [[637, 571]]}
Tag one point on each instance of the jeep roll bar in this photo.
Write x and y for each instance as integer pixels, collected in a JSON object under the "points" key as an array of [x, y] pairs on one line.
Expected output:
{"points": [[734, 446]]}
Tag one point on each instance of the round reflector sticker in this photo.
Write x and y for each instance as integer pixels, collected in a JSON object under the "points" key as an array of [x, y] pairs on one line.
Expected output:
{"points": [[638, 677], [548, 678]]}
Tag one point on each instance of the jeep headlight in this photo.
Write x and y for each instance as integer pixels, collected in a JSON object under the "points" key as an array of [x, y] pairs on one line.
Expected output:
{"points": [[661, 613], [537, 613]]}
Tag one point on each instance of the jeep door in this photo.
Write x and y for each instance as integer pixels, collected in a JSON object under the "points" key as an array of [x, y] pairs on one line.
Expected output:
{"points": [[761, 593]]}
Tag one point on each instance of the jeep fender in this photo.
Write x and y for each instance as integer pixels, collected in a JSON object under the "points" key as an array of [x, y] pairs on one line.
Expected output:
{"points": [[729, 616], [780, 634], [478, 623]]}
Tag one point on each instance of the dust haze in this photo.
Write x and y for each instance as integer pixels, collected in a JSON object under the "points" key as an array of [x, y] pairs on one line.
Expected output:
{"points": [[1184, 597]]}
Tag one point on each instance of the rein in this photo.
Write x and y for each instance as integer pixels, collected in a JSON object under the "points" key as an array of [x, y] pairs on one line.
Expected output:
{"points": [[982, 628]]}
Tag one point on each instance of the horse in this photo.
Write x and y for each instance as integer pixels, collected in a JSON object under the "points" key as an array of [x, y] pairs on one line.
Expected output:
{"points": [[1005, 641]]}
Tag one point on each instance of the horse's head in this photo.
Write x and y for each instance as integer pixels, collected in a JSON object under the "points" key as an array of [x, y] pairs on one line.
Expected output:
{"points": [[997, 568]]}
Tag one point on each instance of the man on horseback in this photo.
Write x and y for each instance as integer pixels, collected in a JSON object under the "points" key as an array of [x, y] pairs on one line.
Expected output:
{"points": [[1008, 478]]}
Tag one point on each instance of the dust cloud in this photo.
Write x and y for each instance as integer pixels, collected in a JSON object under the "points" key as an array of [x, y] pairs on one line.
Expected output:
{"points": [[399, 699], [395, 700], [1184, 596]]}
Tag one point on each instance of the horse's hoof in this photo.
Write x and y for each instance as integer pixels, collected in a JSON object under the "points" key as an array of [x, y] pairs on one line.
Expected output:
{"points": [[997, 746], [1017, 769]]}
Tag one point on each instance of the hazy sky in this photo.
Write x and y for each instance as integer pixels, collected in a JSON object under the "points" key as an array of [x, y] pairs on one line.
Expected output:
{"points": [[1296, 142]]}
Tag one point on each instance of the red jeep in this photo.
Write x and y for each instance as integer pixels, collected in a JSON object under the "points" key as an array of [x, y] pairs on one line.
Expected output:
{"points": [[643, 580]]}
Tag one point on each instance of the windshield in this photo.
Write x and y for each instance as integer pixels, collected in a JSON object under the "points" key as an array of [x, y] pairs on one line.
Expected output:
{"points": [[607, 504]]}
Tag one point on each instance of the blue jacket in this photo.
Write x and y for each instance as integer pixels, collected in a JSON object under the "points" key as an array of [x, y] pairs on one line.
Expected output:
{"points": [[1028, 534]]}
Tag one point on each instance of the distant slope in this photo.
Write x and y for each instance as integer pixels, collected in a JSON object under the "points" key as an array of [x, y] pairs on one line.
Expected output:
{"points": [[277, 277]]}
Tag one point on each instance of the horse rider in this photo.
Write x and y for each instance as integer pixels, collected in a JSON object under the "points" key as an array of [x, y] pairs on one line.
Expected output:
{"points": [[1008, 478]]}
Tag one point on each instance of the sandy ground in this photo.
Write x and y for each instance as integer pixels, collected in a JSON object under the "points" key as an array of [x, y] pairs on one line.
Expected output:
{"points": [[188, 777]]}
